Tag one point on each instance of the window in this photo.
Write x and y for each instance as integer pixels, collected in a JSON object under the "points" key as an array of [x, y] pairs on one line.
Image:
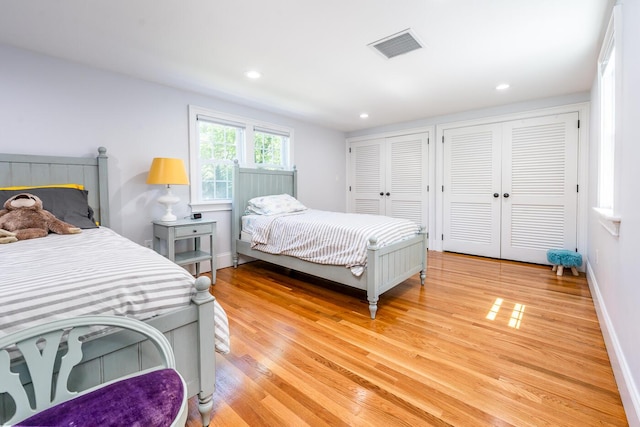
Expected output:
{"points": [[270, 148], [216, 140], [218, 146], [607, 127], [609, 91]]}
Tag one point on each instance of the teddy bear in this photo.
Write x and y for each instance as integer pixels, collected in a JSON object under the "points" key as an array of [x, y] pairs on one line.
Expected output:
{"points": [[23, 217], [7, 236]]}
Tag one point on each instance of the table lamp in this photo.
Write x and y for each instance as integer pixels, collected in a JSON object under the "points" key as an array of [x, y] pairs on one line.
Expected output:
{"points": [[168, 172]]}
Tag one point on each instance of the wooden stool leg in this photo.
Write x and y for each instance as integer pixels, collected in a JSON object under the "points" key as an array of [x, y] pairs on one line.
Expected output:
{"points": [[554, 268], [574, 271], [560, 270]]}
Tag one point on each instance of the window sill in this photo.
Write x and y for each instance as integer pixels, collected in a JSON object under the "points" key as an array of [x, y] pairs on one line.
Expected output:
{"points": [[211, 206], [609, 221]]}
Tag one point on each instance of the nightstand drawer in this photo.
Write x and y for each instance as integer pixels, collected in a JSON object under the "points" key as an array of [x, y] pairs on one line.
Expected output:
{"points": [[193, 230]]}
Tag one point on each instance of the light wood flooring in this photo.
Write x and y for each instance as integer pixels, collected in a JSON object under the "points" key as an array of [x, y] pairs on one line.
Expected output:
{"points": [[484, 343]]}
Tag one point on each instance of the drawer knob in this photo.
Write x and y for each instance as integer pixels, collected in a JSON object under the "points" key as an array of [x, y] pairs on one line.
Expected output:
{"points": [[195, 231]]}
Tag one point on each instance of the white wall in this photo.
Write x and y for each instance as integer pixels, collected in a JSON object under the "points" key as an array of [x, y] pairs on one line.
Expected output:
{"points": [[461, 116], [613, 262], [55, 107]]}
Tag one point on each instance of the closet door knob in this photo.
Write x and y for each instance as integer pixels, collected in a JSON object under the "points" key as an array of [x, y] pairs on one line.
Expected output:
{"points": [[496, 194], [388, 194], [381, 193], [506, 195]]}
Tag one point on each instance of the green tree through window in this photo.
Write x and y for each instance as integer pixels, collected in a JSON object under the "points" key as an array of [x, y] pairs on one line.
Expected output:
{"points": [[268, 149], [218, 148], [219, 139]]}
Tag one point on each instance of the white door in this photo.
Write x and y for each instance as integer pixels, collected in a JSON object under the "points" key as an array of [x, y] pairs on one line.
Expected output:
{"points": [[540, 175], [406, 193], [510, 189], [389, 176], [367, 177], [472, 190]]}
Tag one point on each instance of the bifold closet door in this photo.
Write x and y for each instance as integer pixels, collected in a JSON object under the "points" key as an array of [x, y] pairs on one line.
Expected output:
{"points": [[510, 189], [471, 191], [388, 176], [406, 194], [367, 176], [540, 175]]}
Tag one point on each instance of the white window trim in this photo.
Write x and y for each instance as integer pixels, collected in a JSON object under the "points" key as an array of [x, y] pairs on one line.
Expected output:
{"points": [[609, 218], [610, 222], [245, 151]]}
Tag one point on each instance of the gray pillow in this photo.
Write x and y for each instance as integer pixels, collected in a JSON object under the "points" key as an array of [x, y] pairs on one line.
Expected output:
{"points": [[67, 204]]}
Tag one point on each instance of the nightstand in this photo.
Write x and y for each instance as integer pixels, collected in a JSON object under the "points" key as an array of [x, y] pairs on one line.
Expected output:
{"points": [[173, 231]]}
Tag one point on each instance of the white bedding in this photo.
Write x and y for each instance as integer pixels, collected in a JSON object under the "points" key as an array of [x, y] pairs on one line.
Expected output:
{"points": [[94, 272], [325, 237]]}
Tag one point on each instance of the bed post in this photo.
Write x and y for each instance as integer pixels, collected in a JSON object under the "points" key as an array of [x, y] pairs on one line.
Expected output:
{"points": [[373, 278], [295, 182], [103, 186], [207, 356]]}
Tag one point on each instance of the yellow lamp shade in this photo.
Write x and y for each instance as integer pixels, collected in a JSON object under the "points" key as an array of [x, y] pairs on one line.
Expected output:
{"points": [[167, 171]]}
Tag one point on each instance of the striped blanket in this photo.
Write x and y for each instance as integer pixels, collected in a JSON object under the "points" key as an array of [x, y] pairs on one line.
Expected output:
{"points": [[326, 237], [94, 272]]}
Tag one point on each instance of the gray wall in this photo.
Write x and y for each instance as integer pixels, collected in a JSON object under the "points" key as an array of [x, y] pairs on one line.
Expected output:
{"points": [[613, 264], [54, 107]]}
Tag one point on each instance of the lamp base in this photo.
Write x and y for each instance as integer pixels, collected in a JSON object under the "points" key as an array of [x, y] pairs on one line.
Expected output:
{"points": [[169, 217], [168, 200]]}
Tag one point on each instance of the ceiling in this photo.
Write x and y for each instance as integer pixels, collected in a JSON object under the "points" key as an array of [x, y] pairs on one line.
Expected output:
{"points": [[314, 57]]}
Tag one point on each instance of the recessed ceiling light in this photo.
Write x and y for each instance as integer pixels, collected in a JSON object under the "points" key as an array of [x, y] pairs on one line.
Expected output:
{"points": [[253, 74], [364, 115], [502, 86]]}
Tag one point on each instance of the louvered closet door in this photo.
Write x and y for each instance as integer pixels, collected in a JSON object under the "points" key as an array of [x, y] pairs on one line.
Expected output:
{"points": [[407, 177], [367, 176], [540, 158], [471, 179]]}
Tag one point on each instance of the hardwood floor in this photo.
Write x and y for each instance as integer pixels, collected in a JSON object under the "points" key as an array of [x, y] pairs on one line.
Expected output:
{"points": [[484, 343]]}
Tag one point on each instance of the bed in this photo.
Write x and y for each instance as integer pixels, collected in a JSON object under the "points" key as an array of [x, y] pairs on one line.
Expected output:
{"points": [[123, 278], [386, 266]]}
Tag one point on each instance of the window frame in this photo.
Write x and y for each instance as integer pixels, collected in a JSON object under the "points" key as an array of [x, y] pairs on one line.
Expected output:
{"points": [[245, 150], [611, 44]]}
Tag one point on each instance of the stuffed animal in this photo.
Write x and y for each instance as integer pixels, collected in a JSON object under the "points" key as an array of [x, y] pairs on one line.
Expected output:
{"points": [[7, 236], [24, 218]]}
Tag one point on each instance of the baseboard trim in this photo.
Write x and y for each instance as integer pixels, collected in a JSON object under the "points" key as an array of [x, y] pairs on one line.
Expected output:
{"points": [[624, 378], [224, 260]]}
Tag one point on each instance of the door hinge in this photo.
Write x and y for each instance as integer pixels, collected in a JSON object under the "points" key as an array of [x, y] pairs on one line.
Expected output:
{"points": [[443, 188], [442, 237], [578, 124], [577, 188], [427, 188], [443, 139], [349, 149], [349, 188], [428, 141], [427, 234]]}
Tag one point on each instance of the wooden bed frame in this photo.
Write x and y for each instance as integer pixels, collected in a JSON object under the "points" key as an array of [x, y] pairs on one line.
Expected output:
{"points": [[190, 330], [386, 267]]}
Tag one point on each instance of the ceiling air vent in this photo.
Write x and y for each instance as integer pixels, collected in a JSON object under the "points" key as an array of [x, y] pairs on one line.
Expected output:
{"points": [[397, 44]]}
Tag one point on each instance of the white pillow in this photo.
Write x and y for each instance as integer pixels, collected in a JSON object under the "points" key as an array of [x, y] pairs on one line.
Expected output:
{"points": [[275, 204]]}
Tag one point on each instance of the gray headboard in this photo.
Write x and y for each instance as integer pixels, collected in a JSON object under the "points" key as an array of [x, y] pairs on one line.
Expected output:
{"points": [[22, 169], [249, 183]]}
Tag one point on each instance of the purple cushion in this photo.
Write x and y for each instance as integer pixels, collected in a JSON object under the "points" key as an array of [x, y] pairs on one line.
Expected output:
{"points": [[152, 399]]}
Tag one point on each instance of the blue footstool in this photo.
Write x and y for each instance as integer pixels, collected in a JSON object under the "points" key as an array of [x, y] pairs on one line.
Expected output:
{"points": [[561, 258]]}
